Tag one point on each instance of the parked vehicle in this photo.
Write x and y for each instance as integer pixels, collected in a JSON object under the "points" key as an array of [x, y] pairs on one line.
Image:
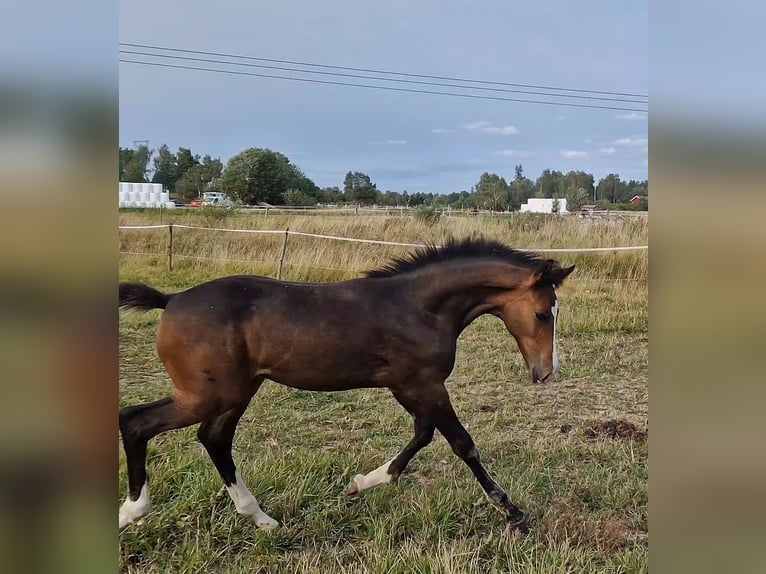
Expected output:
{"points": [[216, 199]]}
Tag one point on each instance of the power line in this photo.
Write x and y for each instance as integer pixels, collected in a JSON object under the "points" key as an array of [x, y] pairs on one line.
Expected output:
{"points": [[398, 80], [347, 68], [389, 88]]}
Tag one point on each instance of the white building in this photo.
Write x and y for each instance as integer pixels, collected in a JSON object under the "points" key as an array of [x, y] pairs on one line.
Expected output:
{"points": [[543, 205]]}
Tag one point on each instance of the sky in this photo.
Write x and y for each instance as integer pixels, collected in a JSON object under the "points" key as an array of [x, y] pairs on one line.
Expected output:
{"points": [[403, 141]]}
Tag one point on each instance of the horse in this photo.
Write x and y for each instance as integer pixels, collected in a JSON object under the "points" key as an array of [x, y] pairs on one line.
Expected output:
{"points": [[396, 327]]}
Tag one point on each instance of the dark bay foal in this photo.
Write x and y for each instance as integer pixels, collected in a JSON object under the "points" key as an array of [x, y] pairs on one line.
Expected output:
{"points": [[395, 328]]}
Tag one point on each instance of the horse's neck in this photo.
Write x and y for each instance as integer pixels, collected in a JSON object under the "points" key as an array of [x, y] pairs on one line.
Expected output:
{"points": [[462, 291]]}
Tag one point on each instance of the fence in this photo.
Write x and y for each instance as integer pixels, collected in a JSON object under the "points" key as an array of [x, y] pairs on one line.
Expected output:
{"points": [[402, 210], [287, 233]]}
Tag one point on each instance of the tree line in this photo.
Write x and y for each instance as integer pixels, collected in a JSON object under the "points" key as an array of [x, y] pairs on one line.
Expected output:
{"points": [[258, 175]]}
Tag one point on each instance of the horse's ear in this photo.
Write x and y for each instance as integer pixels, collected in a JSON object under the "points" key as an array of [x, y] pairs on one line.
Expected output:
{"points": [[543, 271], [549, 272], [558, 275]]}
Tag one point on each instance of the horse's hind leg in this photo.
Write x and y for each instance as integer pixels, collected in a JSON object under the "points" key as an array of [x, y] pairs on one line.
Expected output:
{"points": [[217, 435], [139, 424], [436, 403], [390, 471]]}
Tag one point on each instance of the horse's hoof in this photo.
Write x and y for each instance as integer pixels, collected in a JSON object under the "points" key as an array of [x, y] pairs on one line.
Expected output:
{"points": [[267, 523], [132, 511], [519, 522]]}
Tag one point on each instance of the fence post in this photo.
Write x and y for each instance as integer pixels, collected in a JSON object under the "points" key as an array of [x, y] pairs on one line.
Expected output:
{"points": [[170, 247], [284, 250], [266, 214]]}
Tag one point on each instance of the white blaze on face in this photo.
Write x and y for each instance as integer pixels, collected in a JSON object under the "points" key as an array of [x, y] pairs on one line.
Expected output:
{"points": [[555, 313]]}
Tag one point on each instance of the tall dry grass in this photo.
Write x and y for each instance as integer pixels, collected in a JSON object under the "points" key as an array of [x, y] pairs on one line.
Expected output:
{"points": [[326, 260]]}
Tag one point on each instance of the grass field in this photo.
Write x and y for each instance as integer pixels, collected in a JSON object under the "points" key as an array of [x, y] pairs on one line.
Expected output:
{"points": [[586, 492]]}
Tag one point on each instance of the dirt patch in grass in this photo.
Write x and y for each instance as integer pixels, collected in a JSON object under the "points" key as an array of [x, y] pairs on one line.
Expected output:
{"points": [[616, 430]]}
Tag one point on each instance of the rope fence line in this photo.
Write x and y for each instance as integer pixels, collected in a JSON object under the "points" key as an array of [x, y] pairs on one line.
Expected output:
{"points": [[287, 232], [353, 272], [145, 226]]}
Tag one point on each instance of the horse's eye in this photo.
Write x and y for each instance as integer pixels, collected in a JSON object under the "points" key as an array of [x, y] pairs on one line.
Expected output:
{"points": [[542, 316]]}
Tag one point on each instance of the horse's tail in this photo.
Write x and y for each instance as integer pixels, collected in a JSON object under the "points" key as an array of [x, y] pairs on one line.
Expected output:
{"points": [[142, 297]]}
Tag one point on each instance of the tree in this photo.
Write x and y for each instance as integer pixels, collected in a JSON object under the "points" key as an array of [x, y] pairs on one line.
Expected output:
{"points": [[191, 184], [521, 189], [492, 191], [185, 160], [165, 168], [609, 188], [332, 194], [257, 174], [420, 198], [458, 199], [307, 187], [392, 198], [550, 183], [439, 200], [358, 187], [199, 178], [297, 197], [575, 180], [133, 164], [576, 198], [211, 168]]}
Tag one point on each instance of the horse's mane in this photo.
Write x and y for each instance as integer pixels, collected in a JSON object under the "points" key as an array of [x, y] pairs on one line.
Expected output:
{"points": [[456, 249]]}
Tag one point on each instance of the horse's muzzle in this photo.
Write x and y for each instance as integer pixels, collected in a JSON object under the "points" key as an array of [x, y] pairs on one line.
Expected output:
{"points": [[537, 378]]}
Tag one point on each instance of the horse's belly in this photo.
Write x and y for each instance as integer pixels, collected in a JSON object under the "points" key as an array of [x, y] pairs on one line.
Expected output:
{"points": [[315, 374], [325, 386]]}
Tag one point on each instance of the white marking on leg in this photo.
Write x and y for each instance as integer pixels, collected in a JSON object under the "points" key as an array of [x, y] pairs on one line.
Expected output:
{"points": [[132, 510], [247, 504], [555, 313], [364, 482]]}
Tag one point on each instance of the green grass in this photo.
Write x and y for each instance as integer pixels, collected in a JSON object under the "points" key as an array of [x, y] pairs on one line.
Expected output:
{"points": [[297, 451]]}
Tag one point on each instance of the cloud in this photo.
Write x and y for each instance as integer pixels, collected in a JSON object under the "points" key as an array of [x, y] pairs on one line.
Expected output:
{"points": [[441, 131], [501, 130], [632, 116], [608, 150], [396, 142], [631, 142], [559, 117], [476, 125], [514, 153], [489, 128], [573, 154]]}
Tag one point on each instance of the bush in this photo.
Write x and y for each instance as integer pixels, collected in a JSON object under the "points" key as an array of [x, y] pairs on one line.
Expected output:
{"points": [[297, 197], [427, 214], [215, 215]]}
